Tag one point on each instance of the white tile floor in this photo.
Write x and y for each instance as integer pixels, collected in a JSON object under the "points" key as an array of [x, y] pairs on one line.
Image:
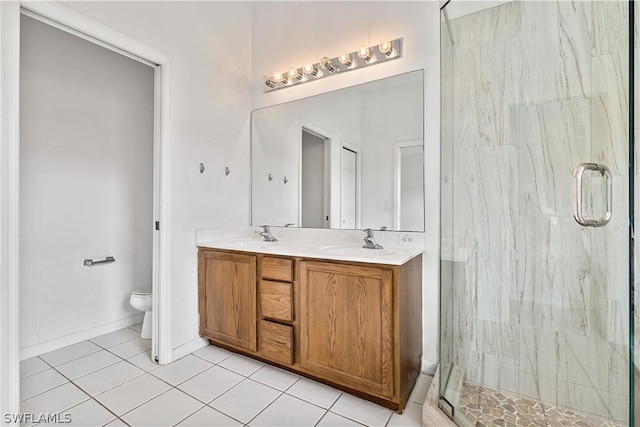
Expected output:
{"points": [[110, 380]]}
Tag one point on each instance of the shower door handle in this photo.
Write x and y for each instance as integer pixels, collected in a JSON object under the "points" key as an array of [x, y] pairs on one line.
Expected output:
{"points": [[577, 195]]}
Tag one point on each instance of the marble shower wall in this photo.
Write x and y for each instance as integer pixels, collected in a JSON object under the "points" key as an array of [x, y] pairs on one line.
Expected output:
{"points": [[540, 304]]}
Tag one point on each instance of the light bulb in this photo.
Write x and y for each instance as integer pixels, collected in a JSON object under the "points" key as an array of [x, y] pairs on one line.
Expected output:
{"points": [[364, 53], [279, 77], [386, 48], [326, 63], [310, 69], [294, 74], [345, 58]]}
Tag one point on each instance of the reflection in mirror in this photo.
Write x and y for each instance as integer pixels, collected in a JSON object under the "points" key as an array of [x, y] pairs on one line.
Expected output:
{"points": [[354, 158]]}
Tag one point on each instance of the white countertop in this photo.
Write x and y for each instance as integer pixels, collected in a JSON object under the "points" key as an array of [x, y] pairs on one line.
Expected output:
{"points": [[294, 245]]}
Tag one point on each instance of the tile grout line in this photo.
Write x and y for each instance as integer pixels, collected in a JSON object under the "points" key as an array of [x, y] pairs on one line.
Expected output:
{"points": [[282, 393], [245, 378], [264, 409], [71, 360], [101, 349], [191, 414], [144, 403], [130, 339], [69, 381], [184, 381], [35, 373], [199, 357], [352, 419]]}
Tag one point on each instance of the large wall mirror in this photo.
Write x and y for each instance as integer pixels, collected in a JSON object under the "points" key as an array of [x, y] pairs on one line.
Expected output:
{"points": [[348, 159]]}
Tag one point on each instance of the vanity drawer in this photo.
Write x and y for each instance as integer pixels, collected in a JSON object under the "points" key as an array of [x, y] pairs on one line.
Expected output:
{"points": [[277, 269], [276, 342], [276, 300]]}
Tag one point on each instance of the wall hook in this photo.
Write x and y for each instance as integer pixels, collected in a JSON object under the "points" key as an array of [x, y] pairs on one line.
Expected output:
{"points": [[285, 180], [227, 171], [201, 167], [270, 177]]}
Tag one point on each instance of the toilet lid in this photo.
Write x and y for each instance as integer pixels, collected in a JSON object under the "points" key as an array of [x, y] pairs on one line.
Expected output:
{"points": [[141, 294]]}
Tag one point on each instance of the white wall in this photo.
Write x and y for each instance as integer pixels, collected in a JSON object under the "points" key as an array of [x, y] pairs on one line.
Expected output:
{"points": [[86, 156], [330, 28], [209, 43]]}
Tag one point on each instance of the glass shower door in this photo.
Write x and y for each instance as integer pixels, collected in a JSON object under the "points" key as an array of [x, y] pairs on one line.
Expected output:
{"points": [[535, 307]]}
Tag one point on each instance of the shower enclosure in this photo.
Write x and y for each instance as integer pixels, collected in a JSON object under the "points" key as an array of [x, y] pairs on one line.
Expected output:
{"points": [[537, 219]]}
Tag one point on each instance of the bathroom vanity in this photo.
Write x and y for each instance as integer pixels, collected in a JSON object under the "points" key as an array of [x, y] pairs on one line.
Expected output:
{"points": [[337, 313]]}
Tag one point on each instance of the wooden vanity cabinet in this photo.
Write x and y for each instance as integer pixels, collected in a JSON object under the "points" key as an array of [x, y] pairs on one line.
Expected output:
{"points": [[346, 324], [354, 326], [227, 298]]}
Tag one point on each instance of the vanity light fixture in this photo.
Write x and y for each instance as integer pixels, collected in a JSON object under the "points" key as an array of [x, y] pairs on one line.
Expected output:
{"points": [[365, 56]]}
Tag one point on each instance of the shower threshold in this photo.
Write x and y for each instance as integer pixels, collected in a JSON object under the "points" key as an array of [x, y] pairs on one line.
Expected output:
{"points": [[480, 406]]}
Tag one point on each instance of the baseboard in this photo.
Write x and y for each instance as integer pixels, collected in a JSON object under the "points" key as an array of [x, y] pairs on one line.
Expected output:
{"points": [[428, 367], [189, 347], [47, 346]]}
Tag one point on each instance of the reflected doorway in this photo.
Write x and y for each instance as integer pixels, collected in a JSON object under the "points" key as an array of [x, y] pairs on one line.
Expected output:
{"points": [[314, 176]]}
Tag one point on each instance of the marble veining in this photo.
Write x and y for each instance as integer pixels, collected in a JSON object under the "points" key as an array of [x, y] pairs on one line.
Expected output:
{"points": [[534, 304]]}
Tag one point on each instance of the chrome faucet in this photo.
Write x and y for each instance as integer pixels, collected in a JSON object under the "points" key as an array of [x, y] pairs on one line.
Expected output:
{"points": [[369, 242], [266, 234]]}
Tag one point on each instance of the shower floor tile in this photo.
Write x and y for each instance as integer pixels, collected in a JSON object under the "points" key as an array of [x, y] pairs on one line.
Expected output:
{"points": [[482, 407]]}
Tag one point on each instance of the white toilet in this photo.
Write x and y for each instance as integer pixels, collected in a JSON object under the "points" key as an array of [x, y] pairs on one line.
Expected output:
{"points": [[142, 301]]}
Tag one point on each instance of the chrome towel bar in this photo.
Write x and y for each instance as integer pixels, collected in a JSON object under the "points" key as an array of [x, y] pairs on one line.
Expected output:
{"points": [[90, 262]]}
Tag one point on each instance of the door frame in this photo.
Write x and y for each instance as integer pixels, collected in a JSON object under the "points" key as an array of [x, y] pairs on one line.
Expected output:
{"points": [[344, 144], [79, 25], [329, 141]]}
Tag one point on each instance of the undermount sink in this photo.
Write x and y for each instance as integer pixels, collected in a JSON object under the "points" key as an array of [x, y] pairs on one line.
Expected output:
{"points": [[355, 250], [252, 244]]}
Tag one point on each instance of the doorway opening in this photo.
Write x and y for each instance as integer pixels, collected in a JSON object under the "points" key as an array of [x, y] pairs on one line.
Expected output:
{"points": [[100, 36], [314, 180], [86, 189]]}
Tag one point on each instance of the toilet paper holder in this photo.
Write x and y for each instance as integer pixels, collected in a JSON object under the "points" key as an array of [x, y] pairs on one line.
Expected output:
{"points": [[90, 262]]}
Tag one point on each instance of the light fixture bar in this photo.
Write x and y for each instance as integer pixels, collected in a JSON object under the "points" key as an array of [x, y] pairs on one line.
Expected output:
{"points": [[363, 57]]}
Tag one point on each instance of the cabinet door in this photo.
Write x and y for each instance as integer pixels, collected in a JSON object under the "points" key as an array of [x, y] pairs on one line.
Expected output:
{"points": [[228, 298], [346, 327]]}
